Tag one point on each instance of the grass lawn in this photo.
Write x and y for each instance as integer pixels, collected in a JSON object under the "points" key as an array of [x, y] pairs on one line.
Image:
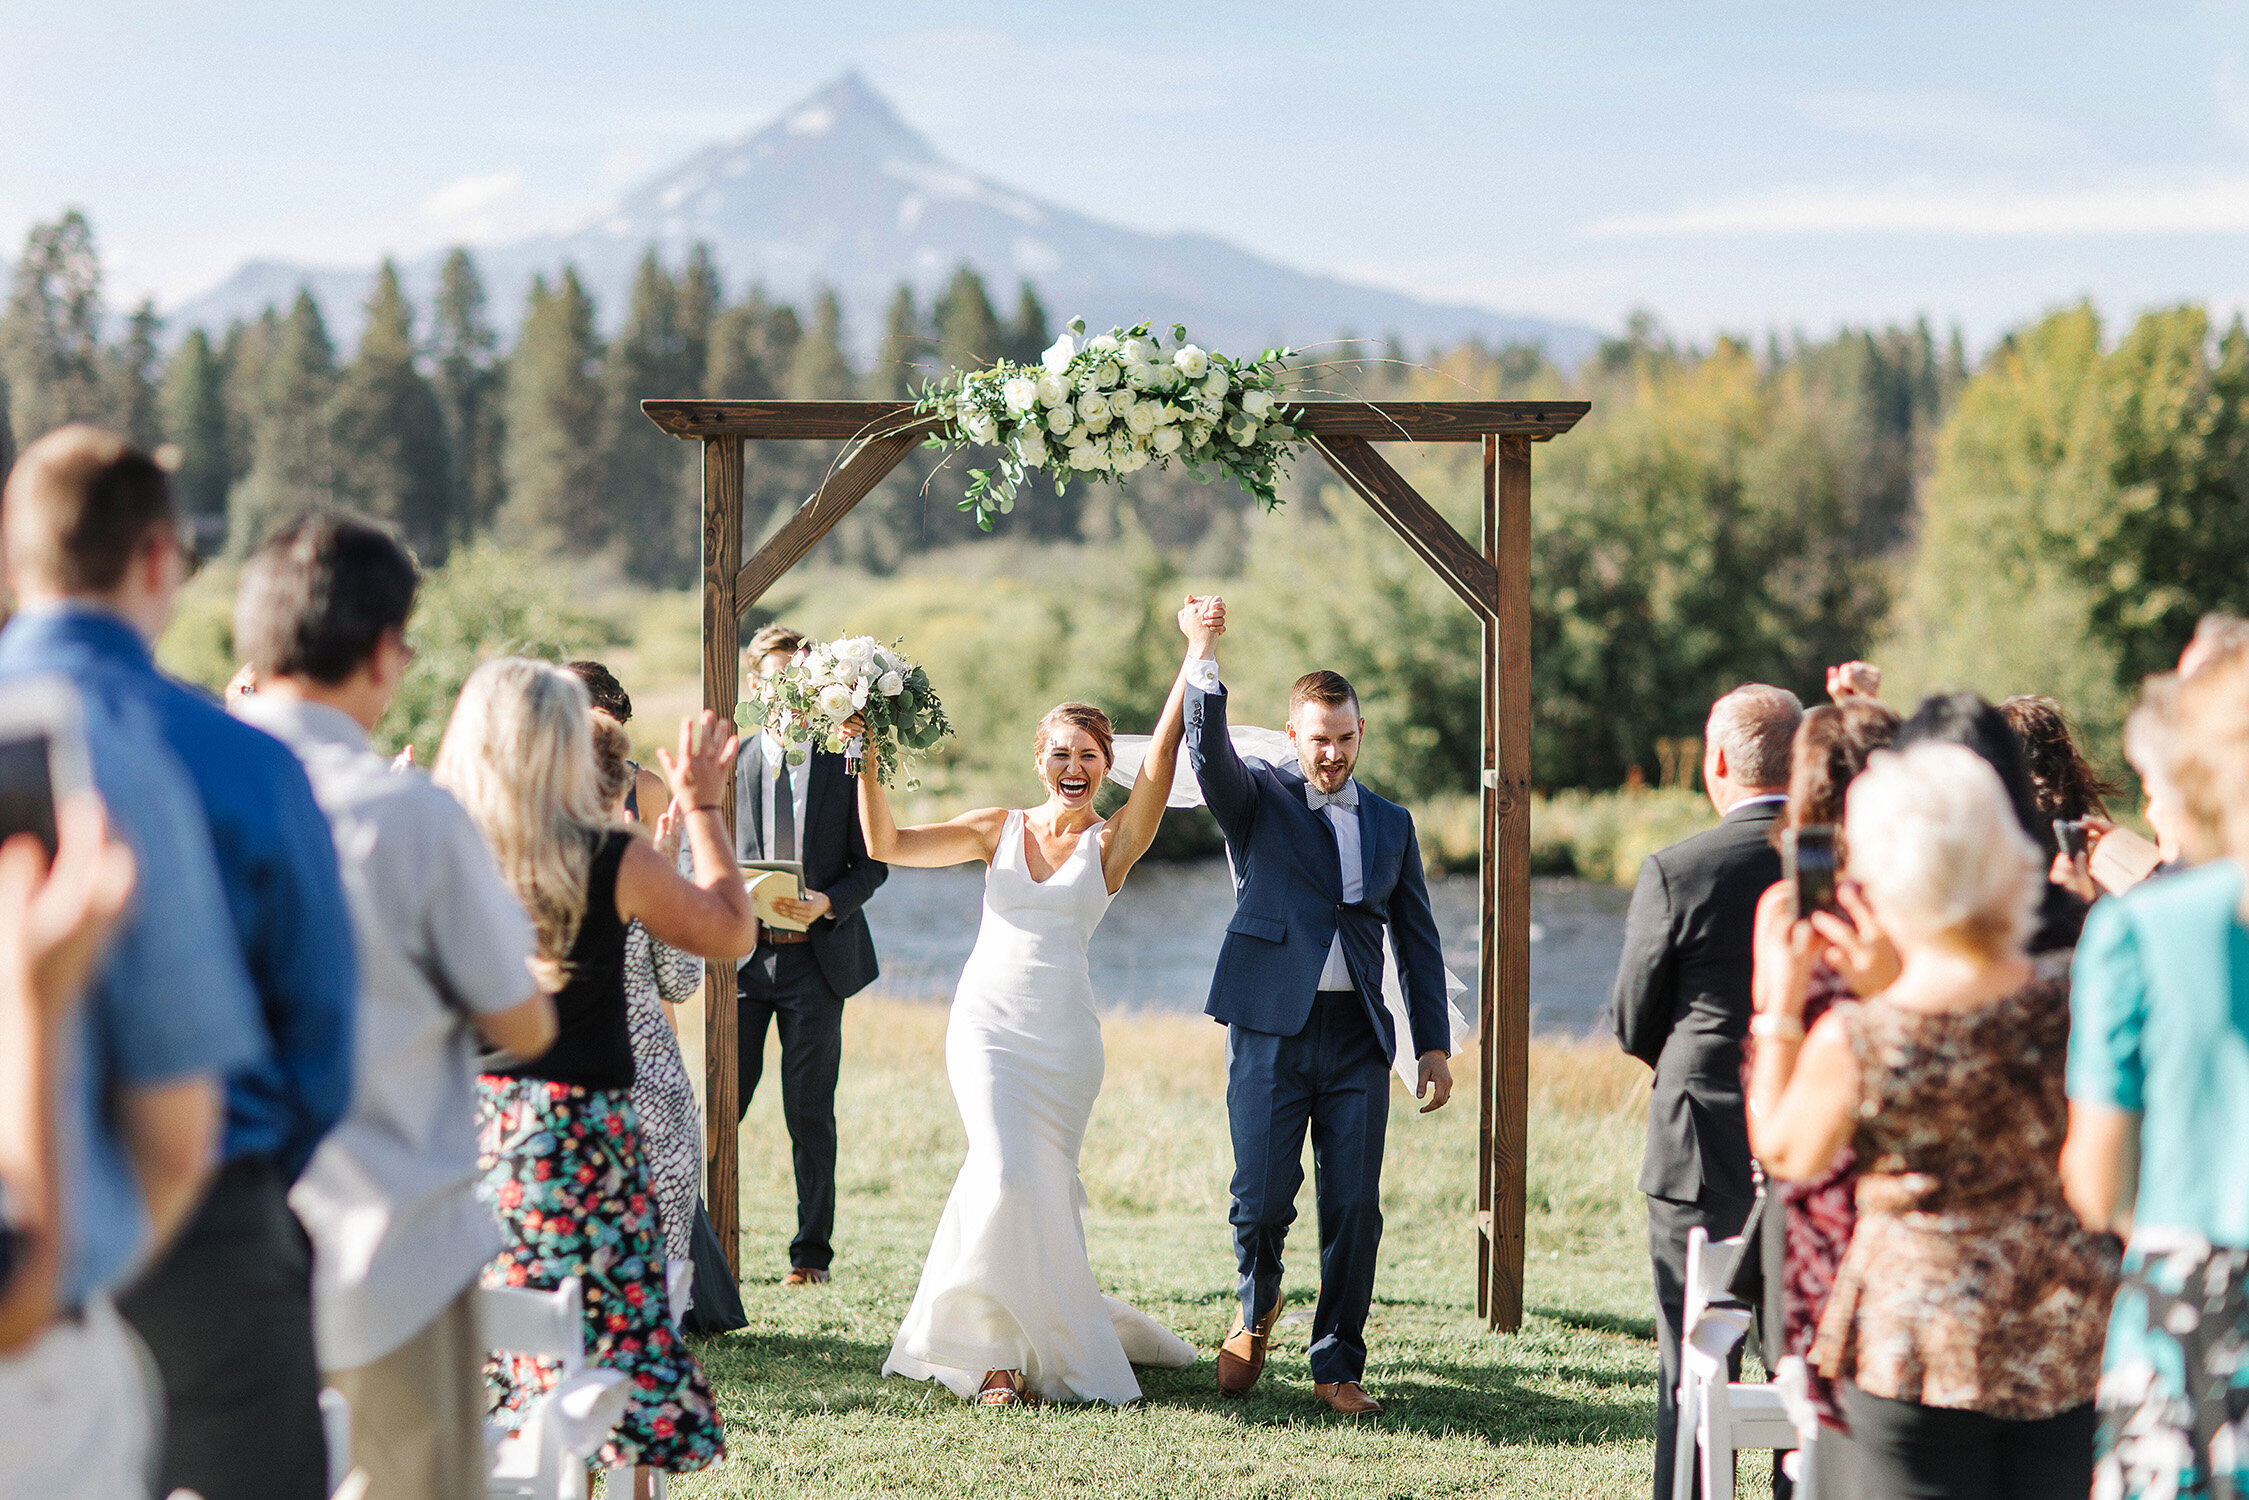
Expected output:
{"points": [[1563, 1408]]}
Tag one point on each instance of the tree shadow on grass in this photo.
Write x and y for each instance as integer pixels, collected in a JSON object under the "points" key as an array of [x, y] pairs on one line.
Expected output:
{"points": [[802, 1374], [1598, 1322]]}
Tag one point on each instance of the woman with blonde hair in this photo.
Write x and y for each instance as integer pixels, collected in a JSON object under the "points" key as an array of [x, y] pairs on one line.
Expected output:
{"points": [[2159, 1092], [559, 1146], [1008, 1309], [1968, 1312]]}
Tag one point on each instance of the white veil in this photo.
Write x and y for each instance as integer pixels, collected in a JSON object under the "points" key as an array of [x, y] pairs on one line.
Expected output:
{"points": [[1272, 747]]}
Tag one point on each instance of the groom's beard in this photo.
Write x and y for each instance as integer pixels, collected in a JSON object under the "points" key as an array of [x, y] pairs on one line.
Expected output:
{"points": [[1313, 773]]}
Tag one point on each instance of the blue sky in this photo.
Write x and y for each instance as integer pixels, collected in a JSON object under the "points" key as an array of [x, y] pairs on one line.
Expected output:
{"points": [[1728, 166]]}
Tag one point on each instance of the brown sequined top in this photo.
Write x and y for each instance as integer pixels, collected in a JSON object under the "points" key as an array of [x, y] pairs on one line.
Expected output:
{"points": [[1969, 1283]]}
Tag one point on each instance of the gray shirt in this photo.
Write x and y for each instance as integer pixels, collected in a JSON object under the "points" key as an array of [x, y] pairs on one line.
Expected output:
{"points": [[390, 1197]]}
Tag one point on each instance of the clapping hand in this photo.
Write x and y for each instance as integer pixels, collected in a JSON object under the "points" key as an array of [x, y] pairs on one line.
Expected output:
{"points": [[700, 769], [1854, 679]]}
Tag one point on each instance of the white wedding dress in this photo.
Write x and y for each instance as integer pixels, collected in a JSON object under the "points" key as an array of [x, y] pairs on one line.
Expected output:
{"points": [[1007, 1285]]}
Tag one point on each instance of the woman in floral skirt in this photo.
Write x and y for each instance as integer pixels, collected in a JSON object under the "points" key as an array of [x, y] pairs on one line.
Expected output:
{"points": [[560, 1148]]}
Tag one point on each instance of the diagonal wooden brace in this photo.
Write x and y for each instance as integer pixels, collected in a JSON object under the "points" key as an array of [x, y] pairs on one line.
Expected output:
{"points": [[1416, 521], [846, 485]]}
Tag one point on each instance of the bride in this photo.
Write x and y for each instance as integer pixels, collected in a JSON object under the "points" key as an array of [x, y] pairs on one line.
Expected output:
{"points": [[1008, 1310]]}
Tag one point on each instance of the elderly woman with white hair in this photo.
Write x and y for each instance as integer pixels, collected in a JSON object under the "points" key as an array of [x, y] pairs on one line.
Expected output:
{"points": [[1968, 1314], [558, 1135]]}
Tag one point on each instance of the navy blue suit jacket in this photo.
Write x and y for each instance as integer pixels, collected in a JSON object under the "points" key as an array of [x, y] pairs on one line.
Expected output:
{"points": [[1289, 896]]}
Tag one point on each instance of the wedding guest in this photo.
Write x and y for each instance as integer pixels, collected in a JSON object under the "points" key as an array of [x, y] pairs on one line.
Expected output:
{"points": [[59, 1394], [2159, 1089], [657, 974], [1966, 720], [2062, 783], [93, 558], [390, 1196], [560, 1147], [1967, 1315], [1831, 748], [2215, 634], [645, 795], [797, 982], [1681, 1005]]}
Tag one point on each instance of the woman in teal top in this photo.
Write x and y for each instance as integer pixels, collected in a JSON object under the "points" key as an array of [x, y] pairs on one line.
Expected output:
{"points": [[2159, 1070]]}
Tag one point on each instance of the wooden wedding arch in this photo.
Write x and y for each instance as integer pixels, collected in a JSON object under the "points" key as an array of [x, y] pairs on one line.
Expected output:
{"points": [[1493, 580]]}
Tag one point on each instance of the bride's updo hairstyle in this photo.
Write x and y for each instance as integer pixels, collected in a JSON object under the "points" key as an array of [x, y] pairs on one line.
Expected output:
{"points": [[1934, 839], [1080, 716]]}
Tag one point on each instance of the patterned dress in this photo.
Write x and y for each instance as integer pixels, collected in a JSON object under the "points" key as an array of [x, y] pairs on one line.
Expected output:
{"points": [[559, 1146], [1969, 1283], [671, 1127]]}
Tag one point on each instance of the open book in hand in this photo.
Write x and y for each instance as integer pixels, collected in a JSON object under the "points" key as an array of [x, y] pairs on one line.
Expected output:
{"points": [[771, 880]]}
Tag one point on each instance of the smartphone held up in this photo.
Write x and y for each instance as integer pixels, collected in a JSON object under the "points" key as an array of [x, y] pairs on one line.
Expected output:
{"points": [[42, 755], [1807, 857]]}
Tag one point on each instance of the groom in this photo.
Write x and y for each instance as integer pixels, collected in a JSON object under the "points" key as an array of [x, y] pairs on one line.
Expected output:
{"points": [[1321, 864]]}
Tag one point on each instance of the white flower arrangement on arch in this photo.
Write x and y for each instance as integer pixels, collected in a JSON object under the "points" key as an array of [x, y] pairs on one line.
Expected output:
{"points": [[1115, 404]]}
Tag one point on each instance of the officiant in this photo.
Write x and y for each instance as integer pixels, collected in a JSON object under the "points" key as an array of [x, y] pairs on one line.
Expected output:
{"points": [[796, 982]]}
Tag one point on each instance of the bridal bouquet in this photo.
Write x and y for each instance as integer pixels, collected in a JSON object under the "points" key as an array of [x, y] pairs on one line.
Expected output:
{"points": [[1112, 406], [825, 684]]}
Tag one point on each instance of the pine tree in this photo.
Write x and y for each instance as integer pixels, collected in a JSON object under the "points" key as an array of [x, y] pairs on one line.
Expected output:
{"points": [[648, 489], [131, 376], [387, 430], [292, 467], [735, 367], [819, 369], [968, 331], [899, 367], [195, 418], [701, 299], [466, 379], [242, 365], [50, 337], [1027, 333], [553, 407]]}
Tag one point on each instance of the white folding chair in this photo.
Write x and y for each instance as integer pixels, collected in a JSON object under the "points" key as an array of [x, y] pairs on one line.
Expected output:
{"points": [[545, 1458], [1717, 1414]]}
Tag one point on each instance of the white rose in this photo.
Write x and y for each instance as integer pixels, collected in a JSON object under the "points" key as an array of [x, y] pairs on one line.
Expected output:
{"points": [[1076, 435], [1093, 404], [1208, 408], [1101, 343], [1020, 393], [1100, 423], [1107, 375], [890, 684], [1139, 376], [1061, 418], [1257, 404], [1142, 417], [1191, 361], [1214, 384], [1137, 352], [1082, 456], [1166, 439], [1031, 448], [1166, 413], [1132, 460], [1059, 354], [859, 693], [1053, 389], [835, 701], [981, 428], [1200, 437], [1169, 376], [1243, 433]]}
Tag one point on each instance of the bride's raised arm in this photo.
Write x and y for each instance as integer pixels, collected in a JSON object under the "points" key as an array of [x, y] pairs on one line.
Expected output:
{"points": [[1133, 829], [969, 837]]}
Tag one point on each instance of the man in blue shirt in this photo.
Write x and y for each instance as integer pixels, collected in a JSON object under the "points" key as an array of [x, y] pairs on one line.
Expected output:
{"points": [[227, 1311], [171, 1012]]}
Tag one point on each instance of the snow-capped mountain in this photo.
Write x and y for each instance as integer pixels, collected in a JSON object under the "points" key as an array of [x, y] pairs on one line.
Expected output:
{"points": [[839, 191]]}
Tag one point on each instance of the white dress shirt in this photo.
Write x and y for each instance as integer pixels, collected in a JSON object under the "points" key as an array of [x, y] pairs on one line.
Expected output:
{"points": [[800, 782], [1202, 674]]}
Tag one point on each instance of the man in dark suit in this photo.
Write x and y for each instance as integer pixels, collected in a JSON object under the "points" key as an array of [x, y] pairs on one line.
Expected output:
{"points": [[798, 981], [1322, 866], [1681, 1005]]}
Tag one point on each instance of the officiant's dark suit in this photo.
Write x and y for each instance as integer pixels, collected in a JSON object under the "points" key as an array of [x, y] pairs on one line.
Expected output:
{"points": [[1298, 1054], [798, 982], [1681, 1005]]}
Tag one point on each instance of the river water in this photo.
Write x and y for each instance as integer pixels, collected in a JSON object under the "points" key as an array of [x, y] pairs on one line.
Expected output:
{"points": [[1155, 949]]}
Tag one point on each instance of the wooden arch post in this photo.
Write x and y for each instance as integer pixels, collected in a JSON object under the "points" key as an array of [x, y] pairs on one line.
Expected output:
{"points": [[1493, 580]]}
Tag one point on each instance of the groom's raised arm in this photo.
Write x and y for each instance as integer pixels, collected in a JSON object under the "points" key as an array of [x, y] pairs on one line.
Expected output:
{"points": [[1228, 788]]}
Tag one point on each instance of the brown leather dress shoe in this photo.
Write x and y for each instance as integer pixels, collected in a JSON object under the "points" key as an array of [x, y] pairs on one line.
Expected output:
{"points": [[1241, 1359], [805, 1276], [1347, 1398]]}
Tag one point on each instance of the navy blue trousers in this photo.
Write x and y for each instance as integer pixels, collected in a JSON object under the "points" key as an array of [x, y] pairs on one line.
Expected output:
{"points": [[1333, 1078]]}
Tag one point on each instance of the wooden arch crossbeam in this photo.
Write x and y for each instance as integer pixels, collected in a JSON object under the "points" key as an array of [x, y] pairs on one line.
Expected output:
{"points": [[1493, 580]]}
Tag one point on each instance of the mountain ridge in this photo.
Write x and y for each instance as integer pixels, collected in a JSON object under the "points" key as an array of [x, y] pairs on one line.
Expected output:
{"points": [[838, 191]]}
